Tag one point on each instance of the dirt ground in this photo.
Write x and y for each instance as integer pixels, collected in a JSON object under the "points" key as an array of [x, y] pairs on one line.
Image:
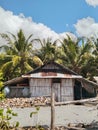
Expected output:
{"points": [[77, 127], [65, 115], [41, 128]]}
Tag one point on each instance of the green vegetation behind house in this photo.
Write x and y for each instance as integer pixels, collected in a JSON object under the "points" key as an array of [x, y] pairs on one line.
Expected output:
{"points": [[19, 56]]}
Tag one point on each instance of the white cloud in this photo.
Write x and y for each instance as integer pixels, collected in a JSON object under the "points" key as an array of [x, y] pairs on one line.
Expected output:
{"points": [[86, 27], [12, 23], [66, 34], [92, 2]]}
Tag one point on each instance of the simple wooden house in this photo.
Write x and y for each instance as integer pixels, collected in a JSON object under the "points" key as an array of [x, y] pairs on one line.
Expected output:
{"points": [[52, 77]]}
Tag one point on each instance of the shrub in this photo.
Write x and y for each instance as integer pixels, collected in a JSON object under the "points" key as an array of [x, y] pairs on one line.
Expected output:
{"points": [[5, 117], [1, 86]]}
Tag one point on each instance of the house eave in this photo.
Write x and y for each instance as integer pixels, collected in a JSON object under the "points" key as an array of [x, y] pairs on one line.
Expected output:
{"points": [[13, 81], [57, 76]]}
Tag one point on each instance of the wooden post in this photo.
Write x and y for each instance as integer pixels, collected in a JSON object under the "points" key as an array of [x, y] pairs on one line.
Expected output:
{"points": [[52, 110], [81, 89], [97, 92]]}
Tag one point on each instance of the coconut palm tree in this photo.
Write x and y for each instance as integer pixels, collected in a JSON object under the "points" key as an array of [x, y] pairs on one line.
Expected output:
{"points": [[17, 54], [48, 51], [77, 55], [95, 53]]}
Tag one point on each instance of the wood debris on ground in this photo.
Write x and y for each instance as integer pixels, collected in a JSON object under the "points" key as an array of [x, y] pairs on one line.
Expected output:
{"points": [[24, 102], [42, 101]]}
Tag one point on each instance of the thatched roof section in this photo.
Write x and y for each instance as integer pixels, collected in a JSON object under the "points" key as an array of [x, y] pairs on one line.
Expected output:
{"points": [[94, 84], [89, 85], [14, 81]]}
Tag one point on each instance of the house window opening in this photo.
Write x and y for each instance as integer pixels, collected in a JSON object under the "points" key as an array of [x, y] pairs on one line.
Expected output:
{"points": [[56, 80]]}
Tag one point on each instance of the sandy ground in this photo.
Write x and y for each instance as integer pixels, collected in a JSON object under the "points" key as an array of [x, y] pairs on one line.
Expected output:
{"points": [[64, 115]]}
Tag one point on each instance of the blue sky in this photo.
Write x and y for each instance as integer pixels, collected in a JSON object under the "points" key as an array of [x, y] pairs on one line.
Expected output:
{"points": [[57, 16]]}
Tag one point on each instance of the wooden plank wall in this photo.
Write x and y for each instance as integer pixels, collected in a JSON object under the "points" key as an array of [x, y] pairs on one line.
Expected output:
{"points": [[67, 92], [40, 87]]}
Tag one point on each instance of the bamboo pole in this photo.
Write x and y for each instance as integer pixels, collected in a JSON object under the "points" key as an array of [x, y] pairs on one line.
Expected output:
{"points": [[90, 100]]}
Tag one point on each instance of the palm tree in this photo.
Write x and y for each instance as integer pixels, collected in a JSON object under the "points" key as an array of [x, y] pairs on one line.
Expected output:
{"points": [[48, 51], [95, 53], [17, 55], [77, 55]]}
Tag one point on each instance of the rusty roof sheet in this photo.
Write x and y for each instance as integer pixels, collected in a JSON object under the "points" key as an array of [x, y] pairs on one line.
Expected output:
{"points": [[51, 75]]}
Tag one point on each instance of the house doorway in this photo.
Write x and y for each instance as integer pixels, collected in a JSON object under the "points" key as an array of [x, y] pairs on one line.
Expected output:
{"points": [[77, 90], [56, 83]]}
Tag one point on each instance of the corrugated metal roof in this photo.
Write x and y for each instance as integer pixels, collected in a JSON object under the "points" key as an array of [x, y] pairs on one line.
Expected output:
{"points": [[51, 75]]}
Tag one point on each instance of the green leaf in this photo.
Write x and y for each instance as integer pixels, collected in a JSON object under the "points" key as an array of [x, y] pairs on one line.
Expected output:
{"points": [[33, 113], [14, 114], [9, 111], [17, 124], [9, 117], [38, 108], [1, 112]]}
